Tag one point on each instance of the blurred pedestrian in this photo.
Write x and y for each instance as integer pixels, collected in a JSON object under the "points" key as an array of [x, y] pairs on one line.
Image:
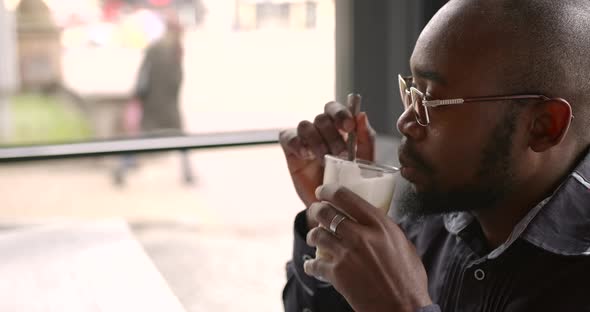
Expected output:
{"points": [[159, 81], [157, 92]]}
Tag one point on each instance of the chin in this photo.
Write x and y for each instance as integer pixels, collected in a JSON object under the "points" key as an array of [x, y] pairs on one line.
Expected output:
{"points": [[420, 188], [418, 200]]}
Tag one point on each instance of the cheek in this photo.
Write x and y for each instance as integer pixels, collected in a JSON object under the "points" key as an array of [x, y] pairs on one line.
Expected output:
{"points": [[454, 149], [455, 161], [525, 163]]}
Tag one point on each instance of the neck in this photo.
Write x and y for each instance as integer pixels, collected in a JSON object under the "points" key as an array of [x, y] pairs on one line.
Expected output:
{"points": [[545, 175], [497, 223]]}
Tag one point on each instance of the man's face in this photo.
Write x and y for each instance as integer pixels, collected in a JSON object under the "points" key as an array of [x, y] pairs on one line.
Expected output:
{"points": [[467, 157]]}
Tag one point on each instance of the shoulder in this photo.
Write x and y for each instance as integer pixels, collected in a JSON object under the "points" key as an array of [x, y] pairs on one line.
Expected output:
{"points": [[548, 281]]}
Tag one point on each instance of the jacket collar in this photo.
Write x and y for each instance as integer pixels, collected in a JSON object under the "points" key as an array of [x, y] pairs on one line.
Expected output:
{"points": [[559, 224]]}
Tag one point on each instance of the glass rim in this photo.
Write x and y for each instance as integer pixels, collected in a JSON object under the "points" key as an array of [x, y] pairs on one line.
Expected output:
{"points": [[364, 164]]}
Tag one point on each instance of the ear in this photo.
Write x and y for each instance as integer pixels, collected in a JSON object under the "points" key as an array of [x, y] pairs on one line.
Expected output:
{"points": [[550, 124]]}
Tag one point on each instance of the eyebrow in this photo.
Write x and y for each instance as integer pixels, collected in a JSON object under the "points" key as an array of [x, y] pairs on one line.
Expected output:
{"points": [[430, 75]]}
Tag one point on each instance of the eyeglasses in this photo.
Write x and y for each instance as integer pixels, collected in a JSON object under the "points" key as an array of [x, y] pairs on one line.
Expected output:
{"points": [[412, 97]]}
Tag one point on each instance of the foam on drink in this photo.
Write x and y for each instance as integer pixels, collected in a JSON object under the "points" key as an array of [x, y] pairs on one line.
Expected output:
{"points": [[374, 186]]}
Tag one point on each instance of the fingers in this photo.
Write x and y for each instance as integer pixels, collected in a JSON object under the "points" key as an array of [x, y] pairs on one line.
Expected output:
{"points": [[319, 268], [341, 116], [293, 145], [344, 121], [322, 136], [322, 238], [365, 138], [325, 135], [324, 213], [327, 129], [311, 137], [348, 202]]}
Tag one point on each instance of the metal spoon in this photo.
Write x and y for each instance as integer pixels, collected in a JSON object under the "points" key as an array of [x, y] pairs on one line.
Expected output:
{"points": [[354, 104]]}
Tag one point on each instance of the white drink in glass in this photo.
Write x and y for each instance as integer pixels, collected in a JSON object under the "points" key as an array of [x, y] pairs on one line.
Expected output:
{"points": [[374, 183]]}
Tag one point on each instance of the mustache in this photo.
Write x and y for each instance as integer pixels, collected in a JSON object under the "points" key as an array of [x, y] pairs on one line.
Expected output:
{"points": [[407, 152]]}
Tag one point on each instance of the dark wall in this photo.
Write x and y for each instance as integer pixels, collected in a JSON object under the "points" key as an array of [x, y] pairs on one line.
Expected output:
{"points": [[374, 41]]}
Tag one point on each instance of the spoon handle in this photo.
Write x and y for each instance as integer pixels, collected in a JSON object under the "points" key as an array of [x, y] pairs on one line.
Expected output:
{"points": [[354, 104]]}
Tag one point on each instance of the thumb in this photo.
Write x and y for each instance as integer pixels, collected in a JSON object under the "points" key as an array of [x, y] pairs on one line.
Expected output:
{"points": [[365, 138]]}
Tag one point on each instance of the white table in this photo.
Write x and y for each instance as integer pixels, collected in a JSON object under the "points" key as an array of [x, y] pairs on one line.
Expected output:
{"points": [[83, 266]]}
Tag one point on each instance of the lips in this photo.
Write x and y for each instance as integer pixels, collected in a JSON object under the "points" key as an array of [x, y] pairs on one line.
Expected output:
{"points": [[407, 162], [411, 174], [411, 169]]}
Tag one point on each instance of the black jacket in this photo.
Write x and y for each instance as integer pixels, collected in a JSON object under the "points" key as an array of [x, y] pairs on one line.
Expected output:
{"points": [[543, 266]]}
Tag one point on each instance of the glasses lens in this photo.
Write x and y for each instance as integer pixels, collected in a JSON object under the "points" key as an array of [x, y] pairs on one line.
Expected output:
{"points": [[402, 91], [419, 108]]}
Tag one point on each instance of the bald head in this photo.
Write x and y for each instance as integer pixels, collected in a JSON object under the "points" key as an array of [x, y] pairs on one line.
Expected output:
{"points": [[525, 46]]}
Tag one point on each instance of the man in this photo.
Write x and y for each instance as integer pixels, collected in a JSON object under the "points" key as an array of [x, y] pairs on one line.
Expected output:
{"points": [[159, 80], [497, 205], [157, 90]]}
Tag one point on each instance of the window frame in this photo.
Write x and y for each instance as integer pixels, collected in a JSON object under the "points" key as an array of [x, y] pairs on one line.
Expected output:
{"points": [[137, 145], [358, 69]]}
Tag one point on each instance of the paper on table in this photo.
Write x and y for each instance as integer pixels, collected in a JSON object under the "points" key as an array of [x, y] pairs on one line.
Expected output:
{"points": [[89, 266]]}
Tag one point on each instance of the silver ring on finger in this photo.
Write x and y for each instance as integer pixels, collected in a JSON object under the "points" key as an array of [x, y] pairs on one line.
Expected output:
{"points": [[338, 218]]}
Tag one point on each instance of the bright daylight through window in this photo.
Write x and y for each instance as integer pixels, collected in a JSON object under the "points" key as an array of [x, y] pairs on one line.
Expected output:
{"points": [[102, 70], [240, 65]]}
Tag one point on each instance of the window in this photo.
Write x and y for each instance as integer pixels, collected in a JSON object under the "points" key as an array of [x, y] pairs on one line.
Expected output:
{"points": [[240, 65], [207, 217]]}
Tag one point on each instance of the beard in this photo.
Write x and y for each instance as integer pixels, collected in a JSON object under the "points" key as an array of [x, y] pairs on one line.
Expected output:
{"points": [[493, 181]]}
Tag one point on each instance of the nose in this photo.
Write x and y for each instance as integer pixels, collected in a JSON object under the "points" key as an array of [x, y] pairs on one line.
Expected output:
{"points": [[409, 127]]}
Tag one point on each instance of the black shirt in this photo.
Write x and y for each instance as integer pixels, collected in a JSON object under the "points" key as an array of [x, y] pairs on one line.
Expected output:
{"points": [[543, 266]]}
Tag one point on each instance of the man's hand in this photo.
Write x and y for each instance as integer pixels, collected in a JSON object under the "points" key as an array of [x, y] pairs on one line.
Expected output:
{"points": [[369, 261], [306, 146]]}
